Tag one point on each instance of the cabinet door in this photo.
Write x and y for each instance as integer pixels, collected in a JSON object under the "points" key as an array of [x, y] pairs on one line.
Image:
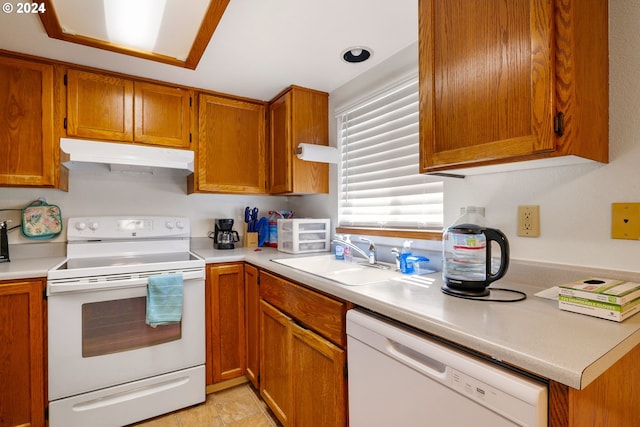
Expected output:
{"points": [[299, 115], [225, 322], [281, 178], [231, 145], [486, 81], [252, 321], [275, 362], [309, 124], [99, 106], [28, 154], [22, 400], [318, 380], [163, 115]]}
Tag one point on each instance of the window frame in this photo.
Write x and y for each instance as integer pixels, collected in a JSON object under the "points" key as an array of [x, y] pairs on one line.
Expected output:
{"points": [[431, 234]]}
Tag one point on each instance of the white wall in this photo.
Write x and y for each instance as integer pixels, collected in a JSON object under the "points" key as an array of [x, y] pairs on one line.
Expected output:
{"points": [[575, 201], [105, 193]]}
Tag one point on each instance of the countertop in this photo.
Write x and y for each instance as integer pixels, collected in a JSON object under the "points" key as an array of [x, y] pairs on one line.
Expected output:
{"points": [[533, 335]]}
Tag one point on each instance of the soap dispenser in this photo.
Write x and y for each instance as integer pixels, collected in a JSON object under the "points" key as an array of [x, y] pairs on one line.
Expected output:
{"points": [[406, 266], [339, 248], [348, 255]]}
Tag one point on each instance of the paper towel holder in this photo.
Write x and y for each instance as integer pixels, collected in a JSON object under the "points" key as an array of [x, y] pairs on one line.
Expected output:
{"points": [[317, 153]]}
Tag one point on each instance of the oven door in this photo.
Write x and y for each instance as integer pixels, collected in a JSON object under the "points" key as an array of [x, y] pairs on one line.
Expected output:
{"points": [[98, 336]]}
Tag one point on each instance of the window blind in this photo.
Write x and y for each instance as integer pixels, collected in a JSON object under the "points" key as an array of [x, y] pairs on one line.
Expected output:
{"points": [[380, 183]]}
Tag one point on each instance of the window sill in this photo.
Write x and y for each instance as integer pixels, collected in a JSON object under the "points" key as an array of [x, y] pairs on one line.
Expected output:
{"points": [[403, 234]]}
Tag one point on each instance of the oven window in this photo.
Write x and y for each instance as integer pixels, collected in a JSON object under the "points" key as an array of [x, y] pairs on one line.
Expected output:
{"points": [[119, 325]]}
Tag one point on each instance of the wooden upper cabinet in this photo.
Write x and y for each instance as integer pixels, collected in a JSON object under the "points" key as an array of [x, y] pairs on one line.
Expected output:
{"points": [[99, 106], [28, 150], [506, 81], [298, 115], [231, 150], [162, 115], [113, 108]]}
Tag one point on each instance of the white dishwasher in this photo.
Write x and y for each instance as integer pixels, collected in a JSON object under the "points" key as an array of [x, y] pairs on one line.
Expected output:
{"points": [[398, 377]]}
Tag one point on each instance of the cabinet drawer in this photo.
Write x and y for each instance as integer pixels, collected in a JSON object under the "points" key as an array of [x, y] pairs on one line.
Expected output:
{"points": [[313, 310]]}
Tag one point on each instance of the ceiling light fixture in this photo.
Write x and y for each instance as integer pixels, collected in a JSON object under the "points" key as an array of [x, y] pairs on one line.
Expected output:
{"points": [[356, 54], [134, 23]]}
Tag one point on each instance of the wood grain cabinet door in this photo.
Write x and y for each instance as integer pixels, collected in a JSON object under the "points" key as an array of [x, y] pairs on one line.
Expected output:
{"points": [[486, 80], [298, 115], [224, 293], [252, 322], [99, 106], [318, 376], [28, 154], [163, 115], [22, 371], [275, 362], [231, 145], [281, 150]]}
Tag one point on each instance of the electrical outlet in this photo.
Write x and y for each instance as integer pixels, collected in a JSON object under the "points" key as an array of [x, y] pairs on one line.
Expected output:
{"points": [[625, 221], [529, 221]]}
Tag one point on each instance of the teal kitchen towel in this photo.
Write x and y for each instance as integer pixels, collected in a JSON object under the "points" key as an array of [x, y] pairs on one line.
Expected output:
{"points": [[164, 299]]}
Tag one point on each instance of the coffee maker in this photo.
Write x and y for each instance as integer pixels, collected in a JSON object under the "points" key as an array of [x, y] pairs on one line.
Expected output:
{"points": [[224, 237]]}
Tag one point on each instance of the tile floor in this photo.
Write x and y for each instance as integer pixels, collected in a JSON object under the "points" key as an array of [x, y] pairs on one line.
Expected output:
{"points": [[239, 406]]}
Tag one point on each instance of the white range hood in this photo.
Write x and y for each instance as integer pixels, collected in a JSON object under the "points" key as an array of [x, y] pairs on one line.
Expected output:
{"points": [[86, 154]]}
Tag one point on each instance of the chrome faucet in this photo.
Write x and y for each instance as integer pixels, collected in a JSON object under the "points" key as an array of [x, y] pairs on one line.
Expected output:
{"points": [[370, 256]]}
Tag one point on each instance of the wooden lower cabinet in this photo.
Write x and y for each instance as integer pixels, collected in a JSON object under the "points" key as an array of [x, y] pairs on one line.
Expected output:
{"points": [[275, 362], [252, 323], [22, 353], [610, 400], [318, 380], [302, 372], [225, 327]]}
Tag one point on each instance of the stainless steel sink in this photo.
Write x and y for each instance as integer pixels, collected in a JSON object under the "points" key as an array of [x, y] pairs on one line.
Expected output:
{"points": [[347, 273]]}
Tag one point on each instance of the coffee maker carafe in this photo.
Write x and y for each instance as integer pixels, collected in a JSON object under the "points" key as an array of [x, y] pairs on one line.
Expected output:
{"points": [[224, 236]]}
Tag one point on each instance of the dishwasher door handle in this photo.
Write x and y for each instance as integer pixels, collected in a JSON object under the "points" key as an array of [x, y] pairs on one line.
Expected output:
{"points": [[418, 360]]}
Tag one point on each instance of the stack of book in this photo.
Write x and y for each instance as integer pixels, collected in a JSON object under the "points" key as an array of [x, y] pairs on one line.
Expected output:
{"points": [[605, 298]]}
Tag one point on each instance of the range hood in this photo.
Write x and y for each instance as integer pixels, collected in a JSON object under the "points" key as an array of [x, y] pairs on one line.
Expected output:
{"points": [[131, 158]]}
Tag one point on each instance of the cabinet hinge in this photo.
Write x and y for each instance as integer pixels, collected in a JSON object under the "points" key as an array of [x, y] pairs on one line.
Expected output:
{"points": [[558, 124], [190, 138], [345, 370], [44, 294], [258, 280], [64, 80], [190, 101], [46, 413], [64, 123]]}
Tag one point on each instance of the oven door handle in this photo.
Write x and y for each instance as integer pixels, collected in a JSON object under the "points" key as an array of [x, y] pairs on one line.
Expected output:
{"points": [[100, 284]]}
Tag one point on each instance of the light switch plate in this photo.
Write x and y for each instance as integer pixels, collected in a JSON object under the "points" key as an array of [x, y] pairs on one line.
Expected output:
{"points": [[625, 221]]}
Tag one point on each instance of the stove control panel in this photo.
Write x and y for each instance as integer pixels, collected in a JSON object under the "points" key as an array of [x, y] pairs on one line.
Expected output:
{"points": [[127, 227]]}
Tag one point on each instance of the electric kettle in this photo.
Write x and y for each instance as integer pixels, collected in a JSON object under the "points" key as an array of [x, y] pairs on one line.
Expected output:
{"points": [[467, 263]]}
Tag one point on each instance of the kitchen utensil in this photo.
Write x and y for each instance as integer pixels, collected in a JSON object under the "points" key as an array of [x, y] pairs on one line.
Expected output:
{"points": [[251, 218], [467, 263]]}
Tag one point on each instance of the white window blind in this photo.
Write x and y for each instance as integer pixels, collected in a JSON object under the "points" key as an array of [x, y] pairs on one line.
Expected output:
{"points": [[380, 183]]}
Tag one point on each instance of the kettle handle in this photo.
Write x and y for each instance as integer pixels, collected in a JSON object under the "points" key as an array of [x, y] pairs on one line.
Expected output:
{"points": [[499, 237]]}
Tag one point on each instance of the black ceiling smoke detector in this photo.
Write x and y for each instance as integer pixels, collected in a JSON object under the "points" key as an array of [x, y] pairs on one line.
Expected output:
{"points": [[356, 54]]}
